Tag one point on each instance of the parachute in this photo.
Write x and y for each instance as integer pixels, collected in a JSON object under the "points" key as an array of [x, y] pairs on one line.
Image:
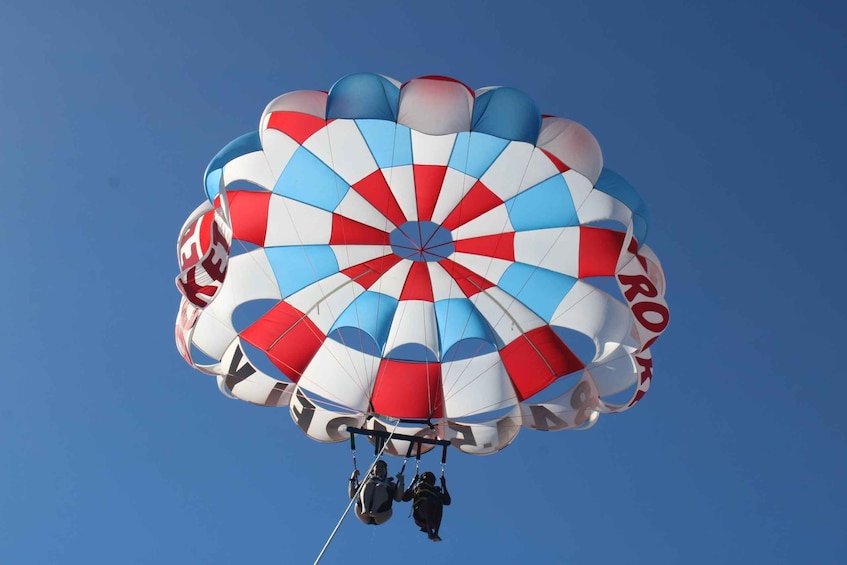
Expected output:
{"points": [[424, 255]]}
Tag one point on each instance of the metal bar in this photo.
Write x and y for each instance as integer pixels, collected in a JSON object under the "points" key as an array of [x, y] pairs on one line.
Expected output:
{"points": [[385, 434]]}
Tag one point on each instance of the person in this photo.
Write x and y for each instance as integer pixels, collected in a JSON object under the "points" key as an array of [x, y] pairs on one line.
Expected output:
{"points": [[373, 505], [429, 503]]}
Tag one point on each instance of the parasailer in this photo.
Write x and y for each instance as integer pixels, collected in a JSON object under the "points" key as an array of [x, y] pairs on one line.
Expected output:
{"points": [[374, 497], [423, 264], [428, 502]]}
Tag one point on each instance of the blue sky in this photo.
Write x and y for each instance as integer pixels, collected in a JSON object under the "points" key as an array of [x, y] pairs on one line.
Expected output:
{"points": [[728, 118]]}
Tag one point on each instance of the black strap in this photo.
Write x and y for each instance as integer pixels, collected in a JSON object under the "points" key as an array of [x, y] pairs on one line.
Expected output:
{"points": [[353, 449], [408, 454]]}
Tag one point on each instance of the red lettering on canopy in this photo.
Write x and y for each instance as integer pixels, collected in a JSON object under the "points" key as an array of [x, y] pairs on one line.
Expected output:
{"points": [[645, 376], [642, 308], [196, 293], [195, 241], [638, 284], [217, 259], [646, 364], [184, 324]]}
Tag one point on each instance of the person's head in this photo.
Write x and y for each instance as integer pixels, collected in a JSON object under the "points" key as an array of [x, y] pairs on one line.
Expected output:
{"points": [[428, 478], [381, 469]]}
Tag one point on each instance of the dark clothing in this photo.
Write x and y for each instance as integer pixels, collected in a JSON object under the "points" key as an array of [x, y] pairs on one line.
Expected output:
{"points": [[428, 506]]}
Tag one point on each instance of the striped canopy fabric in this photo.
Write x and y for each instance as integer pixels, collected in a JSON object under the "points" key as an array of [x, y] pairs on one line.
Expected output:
{"points": [[424, 252]]}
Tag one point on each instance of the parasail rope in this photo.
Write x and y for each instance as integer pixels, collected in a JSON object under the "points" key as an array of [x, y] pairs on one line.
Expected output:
{"points": [[355, 496]]}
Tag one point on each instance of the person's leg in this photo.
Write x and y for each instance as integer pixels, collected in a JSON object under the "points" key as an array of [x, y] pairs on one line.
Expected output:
{"points": [[382, 517], [436, 510], [366, 497], [431, 511], [420, 519], [363, 516]]}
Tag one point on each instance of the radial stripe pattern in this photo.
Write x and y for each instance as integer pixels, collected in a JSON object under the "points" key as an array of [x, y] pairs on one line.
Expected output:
{"points": [[424, 252]]}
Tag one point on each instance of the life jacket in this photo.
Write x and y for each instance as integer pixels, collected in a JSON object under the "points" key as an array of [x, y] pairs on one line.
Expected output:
{"points": [[426, 491]]}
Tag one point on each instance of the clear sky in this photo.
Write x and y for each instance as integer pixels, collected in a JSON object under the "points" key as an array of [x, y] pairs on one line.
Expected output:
{"points": [[728, 118]]}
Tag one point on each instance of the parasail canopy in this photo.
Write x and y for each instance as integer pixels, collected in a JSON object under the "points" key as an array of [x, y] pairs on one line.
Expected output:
{"points": [[424, 252]]}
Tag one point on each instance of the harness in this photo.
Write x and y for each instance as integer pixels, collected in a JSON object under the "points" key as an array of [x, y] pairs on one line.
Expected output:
{"points": [[380, 495], [425, 491]]}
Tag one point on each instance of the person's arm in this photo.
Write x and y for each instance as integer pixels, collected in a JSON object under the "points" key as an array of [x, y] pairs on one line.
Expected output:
{"points": [[445, 496], [353, 484], [398, 488], [410, 493]]}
